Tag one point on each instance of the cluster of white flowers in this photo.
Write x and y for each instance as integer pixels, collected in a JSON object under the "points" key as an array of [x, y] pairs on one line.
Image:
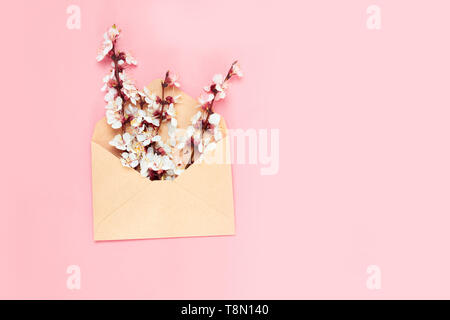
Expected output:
{"points": [[139, 115]]}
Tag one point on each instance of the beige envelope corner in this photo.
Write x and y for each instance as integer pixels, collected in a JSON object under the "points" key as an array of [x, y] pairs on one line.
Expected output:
{"points": [[127, 206]]}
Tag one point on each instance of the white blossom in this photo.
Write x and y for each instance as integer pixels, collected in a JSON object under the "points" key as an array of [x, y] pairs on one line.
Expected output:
{"points": [[138, 118], [111, 94], [108, 37], [171, 110], [172, 80], [217, 134], [113, 33], [145, 137], [129, 160], [205, 98], [136, 147], [214, 119], [149, 97], [236, 70], [196, 117], [131, 111], [114, 119], [155, 162], [121, 142], [129, 88], [104, 50], [210, 147], [115, 105], [106, 79]]}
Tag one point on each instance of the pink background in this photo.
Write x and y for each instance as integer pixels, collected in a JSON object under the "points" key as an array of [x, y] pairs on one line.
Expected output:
{"points": [[364, 154]]}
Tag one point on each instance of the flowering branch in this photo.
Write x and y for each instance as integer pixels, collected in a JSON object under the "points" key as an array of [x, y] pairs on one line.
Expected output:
{"points": [[214, 92]]}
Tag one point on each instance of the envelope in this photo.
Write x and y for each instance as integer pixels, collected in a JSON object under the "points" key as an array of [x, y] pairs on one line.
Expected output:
{"points": [[126, 205]]}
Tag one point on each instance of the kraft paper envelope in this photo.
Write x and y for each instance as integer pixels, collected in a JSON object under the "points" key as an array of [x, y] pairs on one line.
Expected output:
{"points": [[199, 202]]}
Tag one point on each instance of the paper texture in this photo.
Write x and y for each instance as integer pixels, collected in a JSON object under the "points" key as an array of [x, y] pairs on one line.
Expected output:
{"points": [[127, 206]]}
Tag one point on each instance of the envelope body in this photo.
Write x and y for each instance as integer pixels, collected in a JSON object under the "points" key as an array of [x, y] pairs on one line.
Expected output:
{"points": [[126, 205]]}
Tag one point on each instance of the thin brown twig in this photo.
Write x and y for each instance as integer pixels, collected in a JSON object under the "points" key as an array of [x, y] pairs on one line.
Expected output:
{"points": [[163, 102]]}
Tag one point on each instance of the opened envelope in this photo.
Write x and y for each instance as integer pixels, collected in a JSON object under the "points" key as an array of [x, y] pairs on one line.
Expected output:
{"points": [[126, 205]]}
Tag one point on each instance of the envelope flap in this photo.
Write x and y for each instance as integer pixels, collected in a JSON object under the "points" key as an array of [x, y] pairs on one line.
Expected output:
{"points": [[112, 183], [211, 180], [169, 211]]}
